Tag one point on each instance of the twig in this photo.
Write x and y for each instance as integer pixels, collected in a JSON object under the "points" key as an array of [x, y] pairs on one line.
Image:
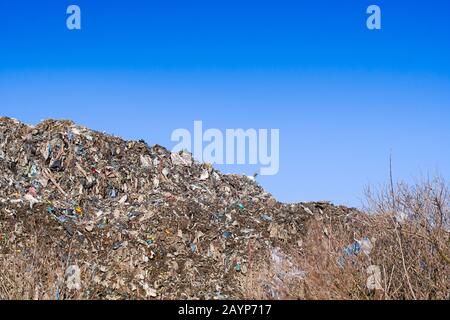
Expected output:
{"points": [[394, 207], [52, 179], [391, 179]]}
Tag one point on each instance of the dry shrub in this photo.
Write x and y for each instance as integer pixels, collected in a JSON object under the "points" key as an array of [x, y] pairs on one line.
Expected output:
{"points": [[276, 275], [30, 269], [412, 224], [408, 230], [29, 275]]}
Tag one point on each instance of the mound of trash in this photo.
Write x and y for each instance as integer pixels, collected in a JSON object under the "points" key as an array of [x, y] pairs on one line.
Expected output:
{"points": [[85, 215]]}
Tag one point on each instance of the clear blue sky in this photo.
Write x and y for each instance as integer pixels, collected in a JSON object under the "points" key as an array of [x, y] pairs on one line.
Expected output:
{"points": [[342, 96]]}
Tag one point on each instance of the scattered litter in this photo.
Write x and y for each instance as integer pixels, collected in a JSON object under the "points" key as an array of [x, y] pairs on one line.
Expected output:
{"points": [[374, 280], [204, 175], [227, 234], [150, 292], [139, 221], [73, 278], [401, 217], [183, 159], [365, 246], [32, 200], [123, 199]]}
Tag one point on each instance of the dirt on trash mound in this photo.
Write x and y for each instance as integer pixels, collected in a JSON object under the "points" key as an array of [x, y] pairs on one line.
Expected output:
{"points": [[87, 215]]}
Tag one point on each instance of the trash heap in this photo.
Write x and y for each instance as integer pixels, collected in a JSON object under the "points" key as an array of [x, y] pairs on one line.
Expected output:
{"points": [[87, 215]]}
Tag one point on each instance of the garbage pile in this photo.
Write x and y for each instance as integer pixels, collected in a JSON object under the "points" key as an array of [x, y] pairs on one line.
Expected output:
{"points": [[85, 215]]}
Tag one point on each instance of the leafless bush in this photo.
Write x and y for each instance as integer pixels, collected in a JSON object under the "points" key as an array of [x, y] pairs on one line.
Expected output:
{"points": [[413, 224], [407, 227]]}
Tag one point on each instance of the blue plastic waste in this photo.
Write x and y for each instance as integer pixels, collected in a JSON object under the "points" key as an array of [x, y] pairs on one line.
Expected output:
{"points": [[227, 234]]}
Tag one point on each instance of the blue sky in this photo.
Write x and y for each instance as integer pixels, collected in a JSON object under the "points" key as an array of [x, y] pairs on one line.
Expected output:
{"points": [[342, 96]]}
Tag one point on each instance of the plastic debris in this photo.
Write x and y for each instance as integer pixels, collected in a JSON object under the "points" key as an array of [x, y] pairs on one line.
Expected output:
{"points": [[32, 191], [353, 249], [73, 278], [266, 218], [227, 234], [374, 279], [32, 200], [401, 217], [181, 159], [366, 246], [204, 175], [34, 170], [56, 165], [150, 292], [150, 240]]}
